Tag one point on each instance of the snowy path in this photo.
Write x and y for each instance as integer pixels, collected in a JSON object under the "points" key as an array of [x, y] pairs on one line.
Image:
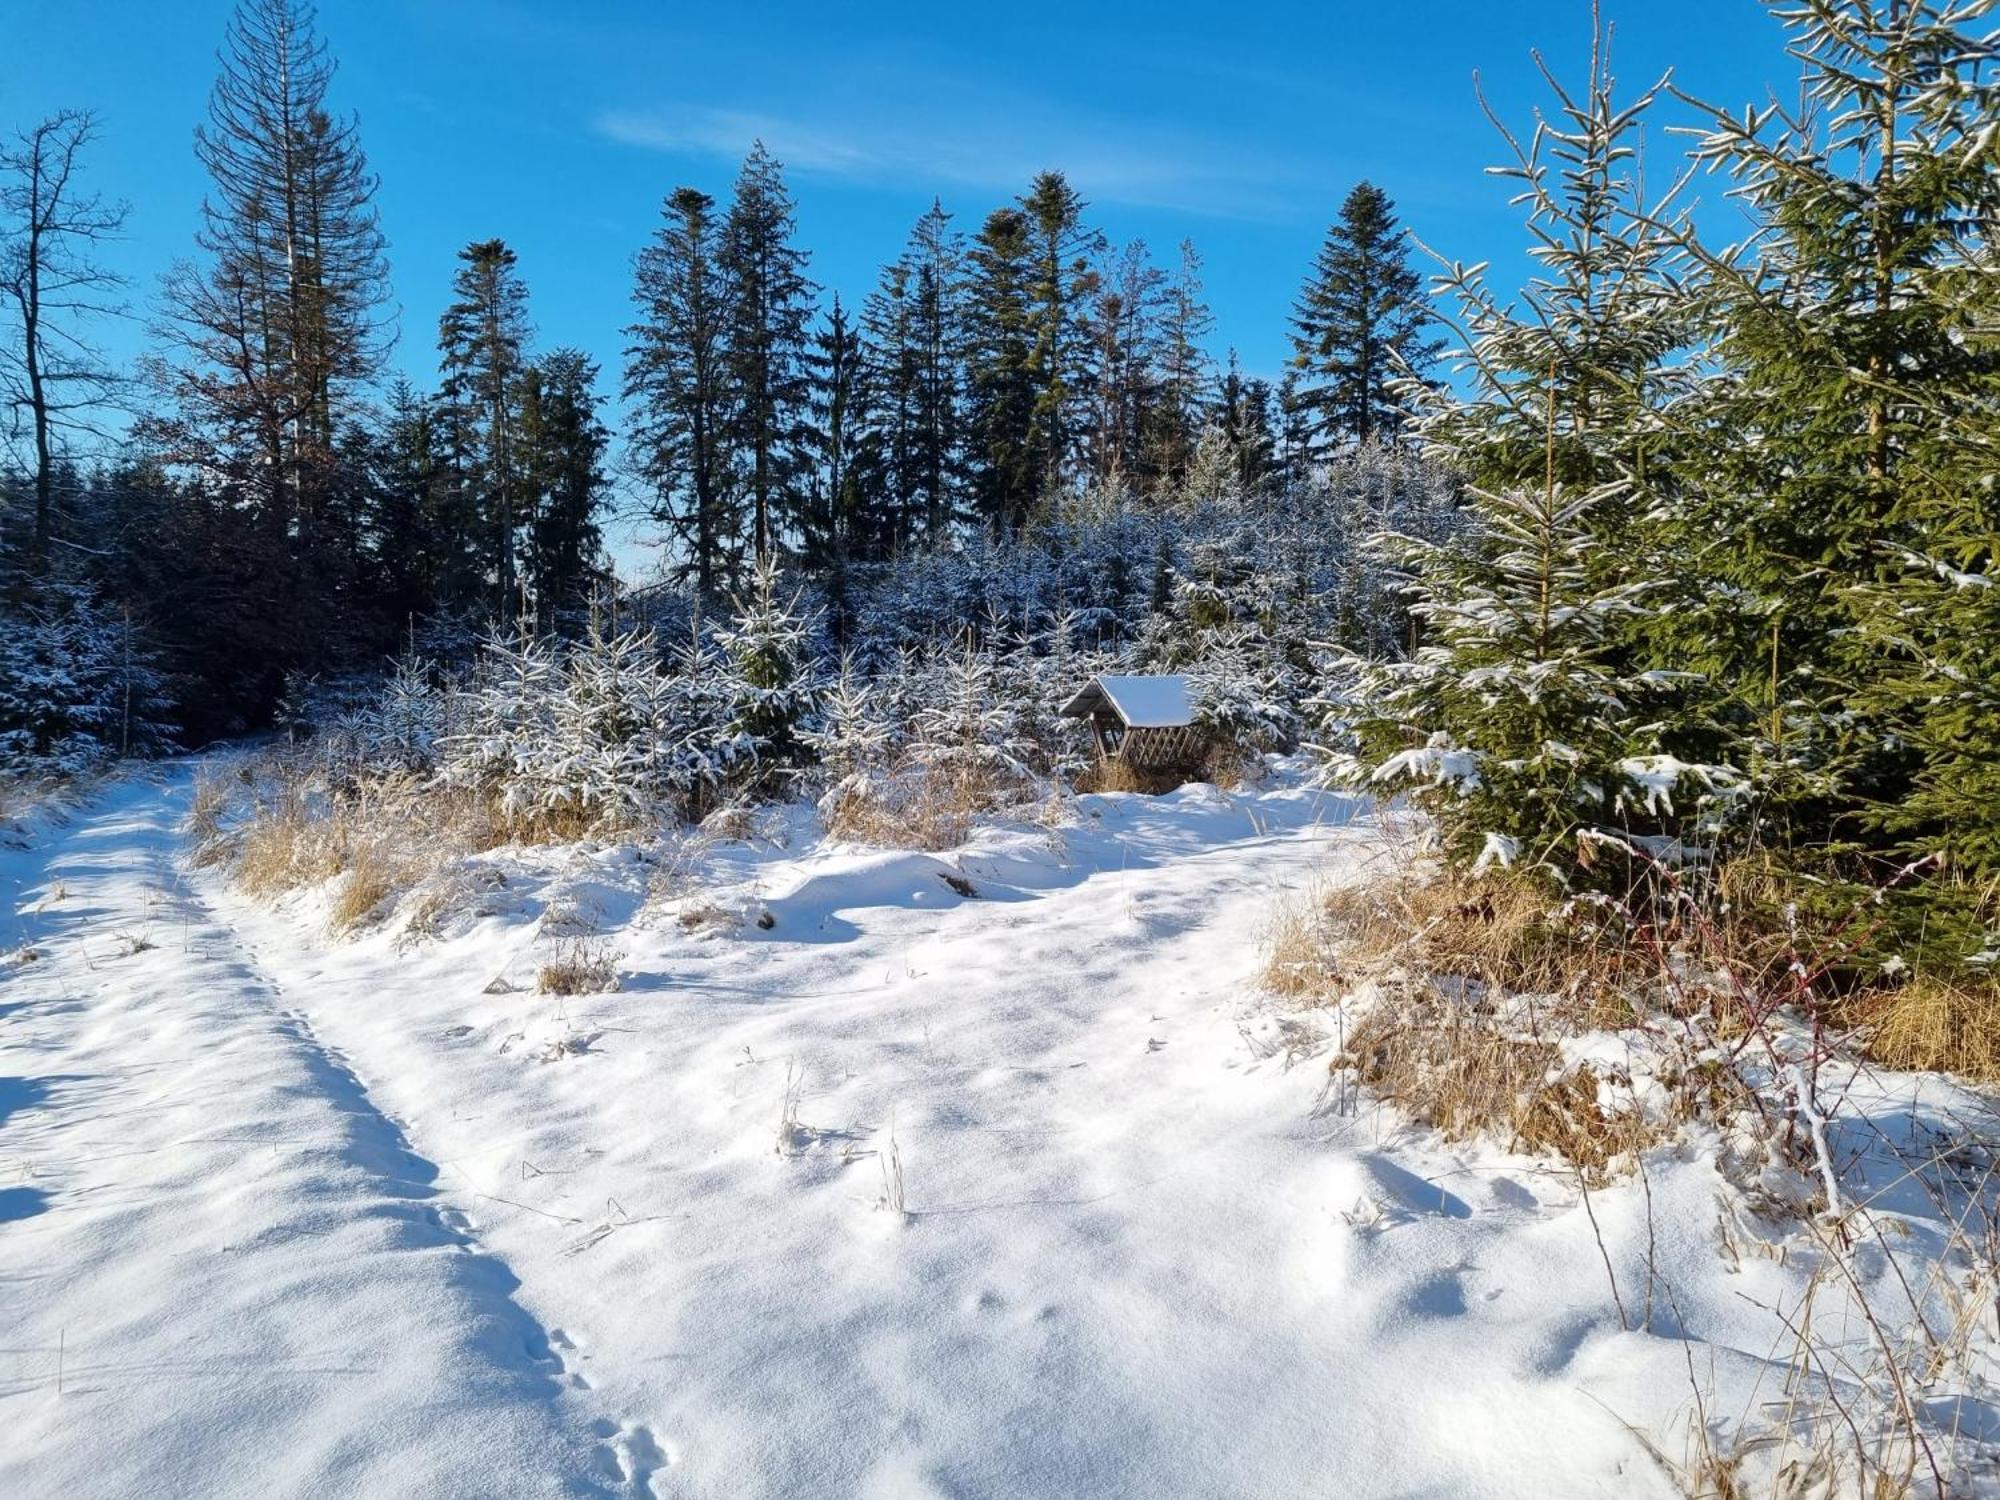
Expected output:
{"points": [[222, 1269], [314, 1218]]}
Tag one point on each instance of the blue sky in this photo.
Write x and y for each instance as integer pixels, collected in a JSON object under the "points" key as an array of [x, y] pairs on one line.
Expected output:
{"points": [[560, 125]]}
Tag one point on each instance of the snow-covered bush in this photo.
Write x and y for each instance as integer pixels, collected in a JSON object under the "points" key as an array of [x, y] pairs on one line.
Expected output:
{"points": [[852, 742], [78, 686], [968, 736], [414, 714], [770, 680]]}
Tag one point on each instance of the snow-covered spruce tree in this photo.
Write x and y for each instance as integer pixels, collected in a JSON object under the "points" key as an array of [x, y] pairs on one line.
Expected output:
{"points": [[771, 682], [78, 686], [1215, 472], [1369, 491], [1223, 626], [709, 752], [610, 756], [403, 730], [851, 741], [1066, 664], [1241, 696], [504, 724], [1535, 717], [1850, 523], [964, 737], [1517, 722]]}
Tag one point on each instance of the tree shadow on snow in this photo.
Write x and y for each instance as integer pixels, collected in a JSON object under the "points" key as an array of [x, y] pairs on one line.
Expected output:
{"points": [[21, 1203]]}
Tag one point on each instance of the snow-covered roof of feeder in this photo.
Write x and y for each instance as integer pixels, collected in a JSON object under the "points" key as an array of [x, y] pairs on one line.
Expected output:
{"points": [[1142, 702]]}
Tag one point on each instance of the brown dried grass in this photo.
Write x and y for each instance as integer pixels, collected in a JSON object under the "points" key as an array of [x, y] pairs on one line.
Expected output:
{"points": [[1476, 980], [919, 806], [279, 827], [1122, 776], [1501, 930], [579, 967], [1450, 1064], [1300, 959], [1932, 1025], [373, 876]]}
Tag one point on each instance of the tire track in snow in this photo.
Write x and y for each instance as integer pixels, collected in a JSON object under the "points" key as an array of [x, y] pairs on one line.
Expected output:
{"points": [[232, 1275]]}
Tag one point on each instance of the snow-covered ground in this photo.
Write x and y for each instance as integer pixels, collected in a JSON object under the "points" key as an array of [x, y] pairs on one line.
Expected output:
{"points": [[887, 1174]]}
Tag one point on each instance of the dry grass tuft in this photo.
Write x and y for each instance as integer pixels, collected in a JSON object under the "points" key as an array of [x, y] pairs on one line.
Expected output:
{"points": [[920, 807], [280, 826], [204, 821], [283, 845], [1301, 960], [1120, 776], [1462, 1070], [372, 878], [1931, 1025], [1475, 981], [708, 917], [579, 967], [730, 823], [1502, 930]]}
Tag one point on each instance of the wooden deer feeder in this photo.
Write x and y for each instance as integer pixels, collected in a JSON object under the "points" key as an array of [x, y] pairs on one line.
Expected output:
{"points": [[1145, 722]]}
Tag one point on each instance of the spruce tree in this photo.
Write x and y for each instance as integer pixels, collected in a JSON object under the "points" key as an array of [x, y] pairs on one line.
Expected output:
{"points": [[1001, 378], [936, 336], [770, 683], [482, 347], [765, 347], [1125, 317], [1853, 522], [423, 547], [1180, 409], [678, 387], [1061, 251], [840, 523], [285, 320], [563, 443], [1243, 416], [1359, 324], [914, 328], [1542, 715], [893, 359]]}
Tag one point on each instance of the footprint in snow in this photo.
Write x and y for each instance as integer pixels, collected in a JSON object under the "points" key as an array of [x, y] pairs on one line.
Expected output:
{"points": [[632, 1455]]}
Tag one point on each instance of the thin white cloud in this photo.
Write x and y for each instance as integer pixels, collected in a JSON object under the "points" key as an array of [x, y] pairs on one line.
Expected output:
{"points": [[1179, 175], [729, 132]]}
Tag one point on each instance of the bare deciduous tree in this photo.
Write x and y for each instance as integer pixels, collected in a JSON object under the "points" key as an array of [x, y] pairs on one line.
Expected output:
{"points": [[52, 379]]}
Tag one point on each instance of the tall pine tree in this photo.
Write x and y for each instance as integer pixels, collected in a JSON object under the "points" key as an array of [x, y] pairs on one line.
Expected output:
{"points": [[563, 442], [1125, 317], [841, 522], [1358, 325], [1185, 371], [1062, 251], [284, 321], [678, 387], [765, 348], [482, 347], [936, 332], [1001, 375]]}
